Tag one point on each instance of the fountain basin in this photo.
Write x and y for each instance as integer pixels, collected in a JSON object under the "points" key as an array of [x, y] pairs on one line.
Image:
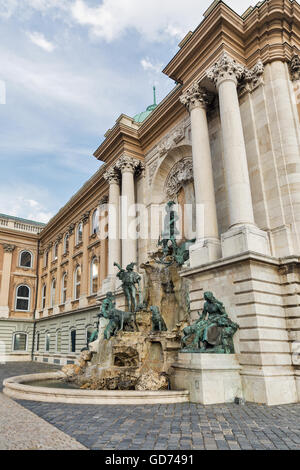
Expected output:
{"points": [[19, 388]]}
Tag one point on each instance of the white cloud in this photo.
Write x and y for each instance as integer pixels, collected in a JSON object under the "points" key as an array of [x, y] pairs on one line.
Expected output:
{"points": [[150, 66], [39, 40], [20, 205], [154, 20]]}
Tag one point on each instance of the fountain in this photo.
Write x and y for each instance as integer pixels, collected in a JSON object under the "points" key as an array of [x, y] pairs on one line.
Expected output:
{"points": [[132, 354]]}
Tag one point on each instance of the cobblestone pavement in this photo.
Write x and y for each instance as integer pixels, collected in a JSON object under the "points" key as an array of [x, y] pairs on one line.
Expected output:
{"points": [[175, 427]]}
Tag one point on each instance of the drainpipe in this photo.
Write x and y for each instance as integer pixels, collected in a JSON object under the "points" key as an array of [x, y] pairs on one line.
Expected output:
{"points": [[36, 298]]}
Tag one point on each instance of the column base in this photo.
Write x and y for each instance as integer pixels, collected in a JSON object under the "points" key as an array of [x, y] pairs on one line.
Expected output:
{"points": [[243, 238], [269, 389], [4, 312], [205, 251], [210, 378]]}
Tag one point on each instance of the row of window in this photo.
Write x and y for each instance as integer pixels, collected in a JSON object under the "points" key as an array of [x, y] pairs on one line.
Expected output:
{"points": [[23, 292], [94, 281], [78, 238], [20, 340]]}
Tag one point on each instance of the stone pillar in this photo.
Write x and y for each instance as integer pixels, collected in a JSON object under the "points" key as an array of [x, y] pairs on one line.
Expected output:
{"points": [[114, 246], [207, 247], [5, 282], [243, 235], [103, 240], [128, 166]]}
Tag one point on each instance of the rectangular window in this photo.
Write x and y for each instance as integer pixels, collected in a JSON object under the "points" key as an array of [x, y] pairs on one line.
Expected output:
{"points": [[20, 341], [47, 345], [73, 341]]}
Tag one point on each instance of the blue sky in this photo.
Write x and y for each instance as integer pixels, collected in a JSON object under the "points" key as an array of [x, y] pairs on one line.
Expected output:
{"points": [[70, 68]]}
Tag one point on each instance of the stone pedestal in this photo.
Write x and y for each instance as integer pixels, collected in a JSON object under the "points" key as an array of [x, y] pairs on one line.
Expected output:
{"points": [[210, 378], [205, 252], [242, 238]]}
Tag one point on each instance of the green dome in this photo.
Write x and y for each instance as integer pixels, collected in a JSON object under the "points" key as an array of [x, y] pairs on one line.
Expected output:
{"points": [[142, 116]]}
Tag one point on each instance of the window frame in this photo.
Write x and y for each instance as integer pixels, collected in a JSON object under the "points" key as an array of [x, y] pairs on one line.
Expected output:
{"points": [[64, 289], [13, 341], [44, 296], [56, 342], [79, 226], [95, 222], [66, 243], [52, 298], [22, 298], [76, 283], [93, 261], [72, 330], [31, 259], [47, 334]]}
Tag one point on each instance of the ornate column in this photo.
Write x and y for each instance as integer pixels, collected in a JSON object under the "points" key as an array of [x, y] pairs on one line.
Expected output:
{"points": [[243, 235], [207, 247], [114, 246], [128, 166], [5, 282]]}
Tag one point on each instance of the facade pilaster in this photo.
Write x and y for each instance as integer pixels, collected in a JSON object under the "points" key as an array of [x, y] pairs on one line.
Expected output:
{"points": [[5, 281]]}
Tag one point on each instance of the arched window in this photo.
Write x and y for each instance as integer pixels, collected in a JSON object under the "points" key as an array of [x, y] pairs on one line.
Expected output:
{"points": [[47, 341], [94, 276], [79, 233], [25, 260], [73, 341], [95, 222], [55, 251], [64, 284], [66, 243], [44, 296], [58, 341], [20, 342], [23, 298], [53, 289], [77, 282]]}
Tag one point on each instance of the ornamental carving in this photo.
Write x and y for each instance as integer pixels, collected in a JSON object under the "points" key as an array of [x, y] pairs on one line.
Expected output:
{"points": [[127, 164], [295, 68], [180, 174], [112, 176], [225, 69], [152, 170], [8, 248], [85, 218], [103, 201], [170, 142], [71, 229], [196, 96], [253, 78]]}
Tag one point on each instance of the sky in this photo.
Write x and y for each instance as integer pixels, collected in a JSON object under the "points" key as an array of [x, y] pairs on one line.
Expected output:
{"points": [[68, 69]]}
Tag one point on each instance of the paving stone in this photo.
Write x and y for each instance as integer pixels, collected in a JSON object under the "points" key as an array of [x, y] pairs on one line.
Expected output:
{"points": [[160, 427]]}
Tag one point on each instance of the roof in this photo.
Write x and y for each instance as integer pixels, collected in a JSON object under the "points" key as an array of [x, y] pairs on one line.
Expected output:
{"points": [[24, 221]]}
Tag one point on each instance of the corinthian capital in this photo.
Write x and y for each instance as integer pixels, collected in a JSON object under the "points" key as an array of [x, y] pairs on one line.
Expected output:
{"points": [[195, 97], [128, 164], [8, 248], [295, 68], [112, 176], [225, 69]]}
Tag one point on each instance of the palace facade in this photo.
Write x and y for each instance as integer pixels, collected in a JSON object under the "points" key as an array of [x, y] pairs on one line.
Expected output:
{"points": [[226, 139]]}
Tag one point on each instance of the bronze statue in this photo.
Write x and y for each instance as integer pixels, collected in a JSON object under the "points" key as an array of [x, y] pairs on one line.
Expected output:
{"points": [[129, 280], [118, 320], [213, 332], [158, 323]]}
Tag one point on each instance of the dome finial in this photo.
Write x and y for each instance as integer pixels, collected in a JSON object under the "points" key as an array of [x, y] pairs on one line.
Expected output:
{"points": [[154, 95]]}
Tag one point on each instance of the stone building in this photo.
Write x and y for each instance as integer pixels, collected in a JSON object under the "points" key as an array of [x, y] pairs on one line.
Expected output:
{"points": [[226, 139]]}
